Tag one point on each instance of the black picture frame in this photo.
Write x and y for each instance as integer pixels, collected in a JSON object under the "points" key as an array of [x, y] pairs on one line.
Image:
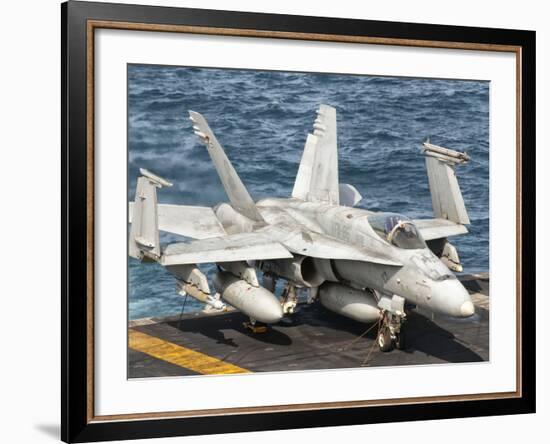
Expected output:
{"points": [[77, 423]]}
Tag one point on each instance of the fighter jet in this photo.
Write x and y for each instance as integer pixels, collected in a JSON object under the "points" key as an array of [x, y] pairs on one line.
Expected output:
{"points": [[369, 266]]}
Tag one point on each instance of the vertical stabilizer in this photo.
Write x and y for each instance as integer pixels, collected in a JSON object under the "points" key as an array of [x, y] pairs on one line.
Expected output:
{"points": [[317, 179], [303, 178], [447, 201], [238, 195]]}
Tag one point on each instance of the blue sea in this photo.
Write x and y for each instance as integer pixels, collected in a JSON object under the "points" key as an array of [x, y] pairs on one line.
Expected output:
{"points": [[262, 118]]}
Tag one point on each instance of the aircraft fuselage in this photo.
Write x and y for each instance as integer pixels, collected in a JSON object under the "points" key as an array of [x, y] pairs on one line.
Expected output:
{"points": [[421, 278]]}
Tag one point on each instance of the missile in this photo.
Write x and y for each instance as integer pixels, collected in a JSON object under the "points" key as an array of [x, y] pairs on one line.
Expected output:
{"points": [[257, 302], [355, 304]]}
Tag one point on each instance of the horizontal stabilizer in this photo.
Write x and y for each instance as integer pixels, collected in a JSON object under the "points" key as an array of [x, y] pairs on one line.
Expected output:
{"points": [[189, 221], [236, 247], [438, 228]]}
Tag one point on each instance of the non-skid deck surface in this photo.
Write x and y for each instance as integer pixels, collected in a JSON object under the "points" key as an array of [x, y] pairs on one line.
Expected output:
{"points": [[313, 339]]}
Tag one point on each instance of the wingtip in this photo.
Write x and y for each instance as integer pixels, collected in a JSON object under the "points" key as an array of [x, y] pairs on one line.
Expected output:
{"points": [[195, 116], [156, 179], [324, 109]]}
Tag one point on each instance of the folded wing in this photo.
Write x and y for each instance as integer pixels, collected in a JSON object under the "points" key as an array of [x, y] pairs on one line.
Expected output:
{"points": [[234, 187], [190, 221], [431, 229], [231, 248]]}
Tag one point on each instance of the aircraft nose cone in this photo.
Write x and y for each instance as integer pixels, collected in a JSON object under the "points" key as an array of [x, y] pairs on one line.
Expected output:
{"points": [[467, 309], [451, 298]]}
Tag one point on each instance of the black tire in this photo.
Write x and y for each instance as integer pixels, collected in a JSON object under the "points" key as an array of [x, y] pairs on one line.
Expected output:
{"points": [[401, 340], [384, 340]]}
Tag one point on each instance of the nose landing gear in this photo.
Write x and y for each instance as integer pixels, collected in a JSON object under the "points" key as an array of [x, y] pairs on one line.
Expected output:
{"points": [[384, 339], [391, 333]]}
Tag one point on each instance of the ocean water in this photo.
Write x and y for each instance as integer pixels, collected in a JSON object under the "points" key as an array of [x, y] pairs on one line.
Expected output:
{"points": [[262, 118]]}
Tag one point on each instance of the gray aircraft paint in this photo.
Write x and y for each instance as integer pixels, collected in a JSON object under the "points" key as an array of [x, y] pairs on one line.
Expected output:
{"points": [[339, 239]]}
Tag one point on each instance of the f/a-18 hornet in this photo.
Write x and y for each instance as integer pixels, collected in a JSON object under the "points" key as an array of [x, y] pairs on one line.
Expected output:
{"points": [[368, 266]]}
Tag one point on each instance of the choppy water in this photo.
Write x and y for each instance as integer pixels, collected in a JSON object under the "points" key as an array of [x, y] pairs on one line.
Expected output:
{"points": [[262, 119]]}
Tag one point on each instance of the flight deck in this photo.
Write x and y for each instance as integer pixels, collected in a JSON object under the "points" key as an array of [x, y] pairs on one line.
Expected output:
{"points": [[314, 338]]}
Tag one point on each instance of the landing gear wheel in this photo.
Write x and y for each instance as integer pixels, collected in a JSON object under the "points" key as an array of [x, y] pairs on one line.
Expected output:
{"points": [[384, 340], [400, 340]]}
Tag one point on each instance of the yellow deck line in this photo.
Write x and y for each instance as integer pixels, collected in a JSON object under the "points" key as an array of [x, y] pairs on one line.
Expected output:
{"points": [[178, 355]]}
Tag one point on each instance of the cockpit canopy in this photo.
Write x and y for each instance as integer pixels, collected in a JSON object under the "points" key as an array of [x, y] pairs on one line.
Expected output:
{"points": [[397, 229]]}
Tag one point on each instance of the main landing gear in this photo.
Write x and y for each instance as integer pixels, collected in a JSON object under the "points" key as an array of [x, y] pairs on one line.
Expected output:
{"points": [[289, 299], [289, 296]]}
